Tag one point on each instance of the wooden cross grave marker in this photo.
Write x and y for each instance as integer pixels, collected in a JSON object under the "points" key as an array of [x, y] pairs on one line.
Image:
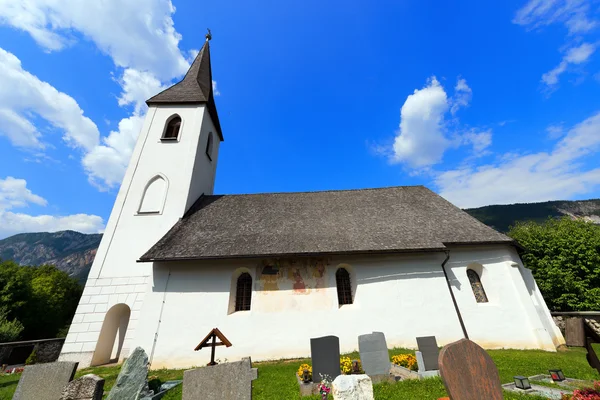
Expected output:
{"points": [[214, 334]]}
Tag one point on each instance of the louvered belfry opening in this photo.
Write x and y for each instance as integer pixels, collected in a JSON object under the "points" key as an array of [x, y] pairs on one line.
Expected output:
{"points": [[243, 293], [477, 287], [344, 290]]}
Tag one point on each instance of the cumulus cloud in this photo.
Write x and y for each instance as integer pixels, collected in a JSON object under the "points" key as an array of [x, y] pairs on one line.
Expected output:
{"points": [[543, 176], [574, 14], [15, 194], [136, 34], [574, 56], [422, 138], [23, 96]]}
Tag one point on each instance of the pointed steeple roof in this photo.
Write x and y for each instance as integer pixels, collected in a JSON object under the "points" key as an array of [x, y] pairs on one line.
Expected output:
{"points": [[194, 88]]}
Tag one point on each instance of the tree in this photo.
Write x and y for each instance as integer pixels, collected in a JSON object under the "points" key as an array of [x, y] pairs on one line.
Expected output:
{"points": [[43, 298], [564, 257], [9, 330]]}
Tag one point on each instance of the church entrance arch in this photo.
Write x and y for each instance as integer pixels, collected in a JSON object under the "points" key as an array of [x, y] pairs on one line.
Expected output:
{"points": [[112, 335]]}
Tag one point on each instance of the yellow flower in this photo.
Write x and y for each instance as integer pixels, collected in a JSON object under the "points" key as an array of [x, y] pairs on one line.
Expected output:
{"points": [[302, 368], [406, 360]]}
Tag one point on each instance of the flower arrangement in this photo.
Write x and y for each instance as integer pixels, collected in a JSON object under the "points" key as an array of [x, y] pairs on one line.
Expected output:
{"points": [[346, 366], [406, 360], [301, 371], [585, 394], [325, 386]]}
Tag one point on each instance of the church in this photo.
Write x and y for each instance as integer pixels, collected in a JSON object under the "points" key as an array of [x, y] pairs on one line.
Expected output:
{"points": [[273, 270]]}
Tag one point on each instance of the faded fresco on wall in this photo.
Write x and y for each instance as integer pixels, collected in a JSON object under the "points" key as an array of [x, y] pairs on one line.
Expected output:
{"points": [[300, 275]]}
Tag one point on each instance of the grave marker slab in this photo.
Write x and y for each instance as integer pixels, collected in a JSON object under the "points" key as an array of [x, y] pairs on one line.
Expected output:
{"points": [[430, 353], [132, 378], [220, 382], [44, 381], [374, 354], [325, 355], [575, 332], [468, 372], [88, 387]]}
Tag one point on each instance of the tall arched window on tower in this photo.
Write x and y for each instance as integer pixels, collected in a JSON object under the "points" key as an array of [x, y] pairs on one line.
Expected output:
{"points": [[209, 146], [172, 128], [477, 287], [243, 292], [344, 290]]}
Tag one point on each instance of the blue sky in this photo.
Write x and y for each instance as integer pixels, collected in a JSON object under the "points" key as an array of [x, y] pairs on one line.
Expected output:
{"points": [[485, 103]]}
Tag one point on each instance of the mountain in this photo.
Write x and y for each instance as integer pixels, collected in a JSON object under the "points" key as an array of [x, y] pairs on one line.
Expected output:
{"points": [[74, 252], [70, 251], [501, 217]]}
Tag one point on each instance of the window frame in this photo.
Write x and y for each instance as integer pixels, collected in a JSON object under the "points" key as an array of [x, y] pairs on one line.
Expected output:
{"points": [[477, 288], [245, 303], [343, 286], [163, 138]]}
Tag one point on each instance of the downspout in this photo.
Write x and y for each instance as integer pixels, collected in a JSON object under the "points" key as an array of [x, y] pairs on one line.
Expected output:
{"points": [[462, 324]]}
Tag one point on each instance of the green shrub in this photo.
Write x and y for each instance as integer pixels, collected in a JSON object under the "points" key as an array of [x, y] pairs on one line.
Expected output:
{"points": [[32, 359]]}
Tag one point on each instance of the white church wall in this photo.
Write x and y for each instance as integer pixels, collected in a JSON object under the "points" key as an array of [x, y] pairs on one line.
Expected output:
{"points": [[509, 318], [404, 296], [115, 276]]}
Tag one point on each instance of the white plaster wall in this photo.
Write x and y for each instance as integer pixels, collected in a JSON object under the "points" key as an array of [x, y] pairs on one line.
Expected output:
{"points": [[509, 318], [115, 276], [402, 296]]}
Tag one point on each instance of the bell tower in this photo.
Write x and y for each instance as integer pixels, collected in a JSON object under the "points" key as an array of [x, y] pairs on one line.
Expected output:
{"points": [[173, 163]]}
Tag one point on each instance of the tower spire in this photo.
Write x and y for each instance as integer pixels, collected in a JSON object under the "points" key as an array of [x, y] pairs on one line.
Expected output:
{"points": [[195, 88]]}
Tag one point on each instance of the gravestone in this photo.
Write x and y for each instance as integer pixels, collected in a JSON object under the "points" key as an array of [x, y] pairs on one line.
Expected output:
{"points": [[374, 354], [352, 387], [468, 372], [44, 381], [574, 332], [427, 356], [131, 381], [220, 382], [88, 387], [325, 355]]}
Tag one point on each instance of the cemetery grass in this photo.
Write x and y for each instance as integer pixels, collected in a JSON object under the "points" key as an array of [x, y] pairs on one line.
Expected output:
{"points": [[276, 379]]}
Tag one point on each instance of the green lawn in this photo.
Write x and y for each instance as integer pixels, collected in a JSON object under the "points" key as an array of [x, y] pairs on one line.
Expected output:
{"points": [[276, 379]]}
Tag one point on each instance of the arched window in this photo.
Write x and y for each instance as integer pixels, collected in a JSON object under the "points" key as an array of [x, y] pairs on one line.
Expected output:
{"points": [[209, 145], [344, 290], [154, 196], [477, 287], [243, 292], [172, 129]]}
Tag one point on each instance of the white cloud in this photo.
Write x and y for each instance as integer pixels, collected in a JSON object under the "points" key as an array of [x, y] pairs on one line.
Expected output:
{"points": [[575, 55], [106, 163], [480, 140], [555, 131], [215, 90], [422, 138], [421, 141], [137, 88], [543, 176], [23, 95], [574, 14], [462, 96], [15, 194], [136, 34]]}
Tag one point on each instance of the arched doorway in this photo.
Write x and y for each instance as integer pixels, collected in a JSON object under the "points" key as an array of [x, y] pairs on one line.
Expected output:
{"points": [[112, 335]]}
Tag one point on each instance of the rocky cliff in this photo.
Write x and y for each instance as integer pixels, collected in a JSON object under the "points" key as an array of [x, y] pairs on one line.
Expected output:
{"points": [[70, 251]]}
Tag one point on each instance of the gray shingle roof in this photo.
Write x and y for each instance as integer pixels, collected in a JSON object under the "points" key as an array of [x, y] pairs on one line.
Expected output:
{"points": [[394, 219], [194, 88]]}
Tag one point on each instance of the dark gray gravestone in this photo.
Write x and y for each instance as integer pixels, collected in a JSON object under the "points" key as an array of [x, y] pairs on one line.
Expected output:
{"points": [[220, 382], [44, 381], [430, 352], [374, 354], [88, 387], [325, 355]]}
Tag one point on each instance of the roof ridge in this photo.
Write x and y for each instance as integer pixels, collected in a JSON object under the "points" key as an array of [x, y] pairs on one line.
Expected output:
{"points": [[324, 191]]}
